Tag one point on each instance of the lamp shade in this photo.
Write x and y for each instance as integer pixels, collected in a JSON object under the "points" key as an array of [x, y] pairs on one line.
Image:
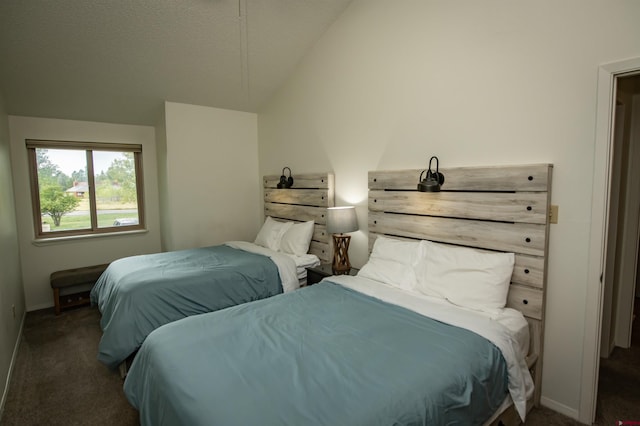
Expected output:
{"points": [[341, 220]]}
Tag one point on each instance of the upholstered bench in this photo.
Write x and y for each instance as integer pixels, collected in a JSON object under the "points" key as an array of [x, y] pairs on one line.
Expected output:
{"points": [[74, 282]]}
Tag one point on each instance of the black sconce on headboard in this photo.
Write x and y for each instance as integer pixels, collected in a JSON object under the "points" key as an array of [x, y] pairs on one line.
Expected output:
{"points": [[433, 180], [285, 182]]}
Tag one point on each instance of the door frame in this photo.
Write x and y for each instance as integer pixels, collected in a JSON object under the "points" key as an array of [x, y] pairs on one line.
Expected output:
{"points": [[605, 104]]}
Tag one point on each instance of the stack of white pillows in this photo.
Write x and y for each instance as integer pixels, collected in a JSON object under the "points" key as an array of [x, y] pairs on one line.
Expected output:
{"points": [[467, 277], [286, 237]]}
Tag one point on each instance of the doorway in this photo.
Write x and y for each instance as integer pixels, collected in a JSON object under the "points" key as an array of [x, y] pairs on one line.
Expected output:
{"points": [[608, 76], [619, 341], [623, 229]]}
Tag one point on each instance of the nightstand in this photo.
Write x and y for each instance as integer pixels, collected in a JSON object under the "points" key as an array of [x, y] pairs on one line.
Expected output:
{"points": [[316, 274]]}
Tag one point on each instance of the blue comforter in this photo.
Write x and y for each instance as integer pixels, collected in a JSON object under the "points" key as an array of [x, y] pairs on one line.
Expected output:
{"points": [[138, 294], [322, 355]]}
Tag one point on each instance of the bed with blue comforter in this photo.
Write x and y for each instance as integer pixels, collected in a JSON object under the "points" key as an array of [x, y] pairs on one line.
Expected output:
{"points": [[138, 294], [323, 355]]}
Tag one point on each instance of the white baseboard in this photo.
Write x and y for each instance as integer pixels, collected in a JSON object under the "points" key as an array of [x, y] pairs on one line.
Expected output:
{"points": [[11, 365], [40, 306], [559, 408]]}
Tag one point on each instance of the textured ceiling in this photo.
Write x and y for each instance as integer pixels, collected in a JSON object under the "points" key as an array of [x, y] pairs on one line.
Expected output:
{"points": [[119, 60]]}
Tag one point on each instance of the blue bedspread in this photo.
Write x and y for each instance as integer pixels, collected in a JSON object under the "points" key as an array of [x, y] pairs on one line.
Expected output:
{"points": [[322, 355], [138, 294]]}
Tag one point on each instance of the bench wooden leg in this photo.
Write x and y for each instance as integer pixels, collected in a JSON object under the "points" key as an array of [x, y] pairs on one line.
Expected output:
{"points": [[56, 300]]}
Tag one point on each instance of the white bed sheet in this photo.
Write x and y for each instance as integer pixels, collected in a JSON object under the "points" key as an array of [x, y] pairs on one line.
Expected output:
{"points": [[285, 263], [304, 262], [508, 329]]}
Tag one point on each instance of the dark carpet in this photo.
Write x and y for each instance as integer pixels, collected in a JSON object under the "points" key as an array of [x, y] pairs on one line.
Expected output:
{"points": [[619, 385], [57, 379]]}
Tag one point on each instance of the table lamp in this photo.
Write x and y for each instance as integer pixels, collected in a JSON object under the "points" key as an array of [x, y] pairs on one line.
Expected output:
{"points": [[341, 220]]}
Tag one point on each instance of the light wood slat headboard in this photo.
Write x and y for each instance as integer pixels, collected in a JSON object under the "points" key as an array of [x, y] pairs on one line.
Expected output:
{"points": [[307, 199], [501, 208]]}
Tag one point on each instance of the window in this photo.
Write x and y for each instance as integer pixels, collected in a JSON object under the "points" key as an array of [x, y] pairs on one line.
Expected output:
{"points": [[81, 188]]}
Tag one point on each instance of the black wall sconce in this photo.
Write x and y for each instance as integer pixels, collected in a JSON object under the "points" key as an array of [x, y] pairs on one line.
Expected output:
{"points": [[433, 180], [285, 182]]}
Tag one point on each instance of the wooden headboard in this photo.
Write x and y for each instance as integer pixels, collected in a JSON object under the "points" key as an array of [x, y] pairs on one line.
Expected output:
{"points": [[502, 208], [307, 199]]}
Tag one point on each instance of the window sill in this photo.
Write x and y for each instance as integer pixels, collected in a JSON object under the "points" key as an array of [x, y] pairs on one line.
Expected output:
{"points": [[80, 238]]}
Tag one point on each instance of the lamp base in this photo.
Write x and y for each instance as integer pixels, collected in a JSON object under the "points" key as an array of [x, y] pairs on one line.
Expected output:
{"points": [[341, 264]]}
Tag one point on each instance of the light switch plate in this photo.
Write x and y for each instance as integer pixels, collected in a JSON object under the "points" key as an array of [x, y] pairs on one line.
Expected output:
{"points": [[553, 214]]}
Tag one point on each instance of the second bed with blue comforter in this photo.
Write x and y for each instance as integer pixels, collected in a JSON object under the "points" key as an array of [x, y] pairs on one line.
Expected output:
{"points": [[138, 294], [323, 355]]}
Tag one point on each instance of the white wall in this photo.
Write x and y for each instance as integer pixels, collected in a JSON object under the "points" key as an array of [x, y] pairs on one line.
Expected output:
{"points": [[11, 291], [39, 261], [209, 178], [475, 83]]}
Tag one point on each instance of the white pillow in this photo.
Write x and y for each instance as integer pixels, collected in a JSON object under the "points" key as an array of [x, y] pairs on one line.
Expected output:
{"points": [[271, 233], [392, 262], [467, 277], [297, 238]]}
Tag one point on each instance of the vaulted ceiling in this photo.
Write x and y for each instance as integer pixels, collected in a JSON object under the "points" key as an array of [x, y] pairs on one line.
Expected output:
{"points": [[119, 60]]}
